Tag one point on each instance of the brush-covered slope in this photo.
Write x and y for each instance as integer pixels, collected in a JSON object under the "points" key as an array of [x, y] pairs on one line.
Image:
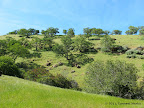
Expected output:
{"points": [[19, 93]]}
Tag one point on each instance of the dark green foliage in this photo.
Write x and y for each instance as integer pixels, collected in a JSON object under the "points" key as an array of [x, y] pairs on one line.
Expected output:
{"points": [[18, 50], [61, 81], [24, 32], [93, 31], [13, 32], [11, 41], [26, 66], [65, 32], [107, 44], [129, 32], [65, 48], [14, 48], [50, 32], [116, 78], [42, 44], [119, 49], [133, 29], [131, 51], [106, 32], [79, 59], [37, 32], [37, 73], [25, 43], [135, 53], [141, 32], [97, 32], [36, 42], [132, 56], [8, 67], [43, 32], [35, 54], [81, 44], [71, 32], [3, 47], [47, 41], [43, 76], [31, 31], [117, 32], [87, 32], [58, 49]]}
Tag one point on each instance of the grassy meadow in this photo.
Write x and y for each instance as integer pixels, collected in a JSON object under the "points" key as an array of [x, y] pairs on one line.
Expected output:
{"points": [[131, 41], [20, 93]]}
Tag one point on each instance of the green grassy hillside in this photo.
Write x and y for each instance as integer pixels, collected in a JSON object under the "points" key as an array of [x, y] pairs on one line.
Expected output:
{"points": [[19, 93], [132, 41]]}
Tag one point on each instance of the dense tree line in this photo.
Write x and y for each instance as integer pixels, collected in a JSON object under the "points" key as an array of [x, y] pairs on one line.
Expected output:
{"points": [[88, 32]]}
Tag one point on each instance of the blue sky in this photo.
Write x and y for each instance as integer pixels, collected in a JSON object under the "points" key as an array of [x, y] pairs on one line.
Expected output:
{"points": [[65, 14]]}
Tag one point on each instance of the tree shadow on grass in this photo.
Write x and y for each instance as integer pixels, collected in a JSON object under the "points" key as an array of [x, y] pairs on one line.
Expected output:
{"points": [[91, 51], [95, 38], [35, 54], [26, 66]]}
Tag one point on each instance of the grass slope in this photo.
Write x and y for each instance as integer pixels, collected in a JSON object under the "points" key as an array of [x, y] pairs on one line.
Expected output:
{"points": [[19, 93], [131, 41]]}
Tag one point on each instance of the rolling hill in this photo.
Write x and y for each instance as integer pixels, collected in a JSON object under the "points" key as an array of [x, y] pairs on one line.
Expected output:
{"points": [[20, 93]]}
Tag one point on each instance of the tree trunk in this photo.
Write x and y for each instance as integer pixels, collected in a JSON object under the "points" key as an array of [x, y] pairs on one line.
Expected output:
{"points": [[66, 56], [15, 58], [36, 46]]}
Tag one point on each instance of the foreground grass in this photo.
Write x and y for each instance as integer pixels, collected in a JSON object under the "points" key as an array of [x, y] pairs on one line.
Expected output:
{"points": [[19, 93]]}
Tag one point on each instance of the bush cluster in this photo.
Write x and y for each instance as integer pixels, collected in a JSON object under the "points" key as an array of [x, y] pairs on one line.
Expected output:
{"points": [[115, 78], [119, 49], [135, 53], [44, 76], [8, 67]]}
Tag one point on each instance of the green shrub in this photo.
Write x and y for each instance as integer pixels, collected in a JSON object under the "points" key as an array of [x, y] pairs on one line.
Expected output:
{"points": [[134, 51], [41, 75], [119, 49], [8, 67], [63, 82], [37, 73], [132, 56], [130, 52], [116, 78]]}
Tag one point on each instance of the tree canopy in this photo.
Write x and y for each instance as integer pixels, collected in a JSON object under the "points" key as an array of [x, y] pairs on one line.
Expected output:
{"points": [[117, 32], [71, 32], [116, 78], [107, 43], [81, 44], [87, 32], [133, 29]]}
